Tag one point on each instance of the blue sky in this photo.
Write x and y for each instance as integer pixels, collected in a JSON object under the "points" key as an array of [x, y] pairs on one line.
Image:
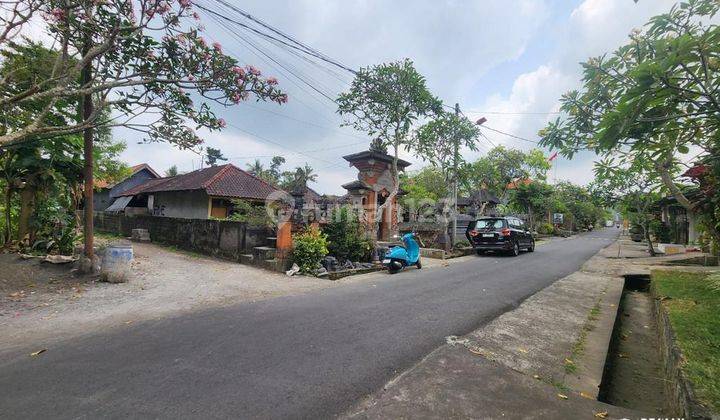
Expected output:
{"points": [[490, 56]]}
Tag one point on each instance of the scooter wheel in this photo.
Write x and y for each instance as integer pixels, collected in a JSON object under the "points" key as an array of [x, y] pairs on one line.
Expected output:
{"points": [[392, 270], [418, 264]]}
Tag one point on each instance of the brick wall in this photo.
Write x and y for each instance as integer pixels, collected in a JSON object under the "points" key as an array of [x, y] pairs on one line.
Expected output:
{"points": [[223, 239]]}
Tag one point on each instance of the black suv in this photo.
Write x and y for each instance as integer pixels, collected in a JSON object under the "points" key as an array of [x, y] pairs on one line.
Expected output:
{"points": [[507, 234]]}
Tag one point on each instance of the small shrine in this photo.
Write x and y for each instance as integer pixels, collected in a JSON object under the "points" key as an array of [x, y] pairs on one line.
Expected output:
{"points": [[374, 184]]}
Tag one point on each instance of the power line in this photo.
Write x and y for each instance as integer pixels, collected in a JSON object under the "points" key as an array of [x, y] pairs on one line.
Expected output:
{"points": [[268, 57], [510, 135], [267, 140], [263, 34], [303, 47], [472, 111], [261, 55]]}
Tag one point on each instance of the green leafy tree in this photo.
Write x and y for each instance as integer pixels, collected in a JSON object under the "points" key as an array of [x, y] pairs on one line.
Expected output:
{"points": [[635, 189], [213, 156], [535, 199], [501, 166], [171, 171], [422, 190], [385, 101], [652, 100], [440, 141]]}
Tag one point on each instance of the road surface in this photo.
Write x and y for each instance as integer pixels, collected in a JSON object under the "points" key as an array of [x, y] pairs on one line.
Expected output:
{"points": [[303, 356]]}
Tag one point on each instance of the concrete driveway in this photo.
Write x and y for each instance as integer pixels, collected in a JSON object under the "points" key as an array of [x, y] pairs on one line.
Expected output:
{"points": [[303, 356]]}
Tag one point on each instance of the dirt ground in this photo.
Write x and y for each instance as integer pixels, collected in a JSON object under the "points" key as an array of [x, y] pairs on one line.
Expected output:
{"points": [[41, 301]]}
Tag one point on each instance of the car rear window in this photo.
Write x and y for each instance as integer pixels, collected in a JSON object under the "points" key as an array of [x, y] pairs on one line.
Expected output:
{"points": [[489, 223]]}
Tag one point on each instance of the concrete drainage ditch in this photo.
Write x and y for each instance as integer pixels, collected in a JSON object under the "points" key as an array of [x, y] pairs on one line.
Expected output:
{"points": [[633, 376]]}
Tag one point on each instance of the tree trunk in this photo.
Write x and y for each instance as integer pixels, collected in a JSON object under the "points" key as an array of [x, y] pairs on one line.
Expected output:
{"points": [[87, 105], [8, 219], [681, 199], [396, 181], [672, 187], [646, 233], [27, 208]]}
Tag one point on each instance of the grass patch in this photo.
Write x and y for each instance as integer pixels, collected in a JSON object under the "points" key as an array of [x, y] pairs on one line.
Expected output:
{"points": [[693, 305], [578, 348]]}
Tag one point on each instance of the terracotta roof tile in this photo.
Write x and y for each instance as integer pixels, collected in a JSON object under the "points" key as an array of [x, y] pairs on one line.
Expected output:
{"points": [[222, 181]]}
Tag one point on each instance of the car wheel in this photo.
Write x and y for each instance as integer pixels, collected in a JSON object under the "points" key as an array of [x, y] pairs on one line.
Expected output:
{"points": [[418, 264], [515, 250], [531, 248], [480, 252]]}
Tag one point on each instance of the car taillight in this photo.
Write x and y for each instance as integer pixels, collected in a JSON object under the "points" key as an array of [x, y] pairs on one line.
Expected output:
{"points": [[505, 232], [473, 232]]}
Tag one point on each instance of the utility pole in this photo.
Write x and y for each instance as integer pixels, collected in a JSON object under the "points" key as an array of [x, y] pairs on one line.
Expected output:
{"points": [[456, 151]]}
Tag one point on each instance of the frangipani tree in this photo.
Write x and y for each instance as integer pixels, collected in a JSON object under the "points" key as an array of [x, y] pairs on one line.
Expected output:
{"points": [[636, 188], [146, 60], [655, 99], [142, 59], [385, 101], [440, 141]]}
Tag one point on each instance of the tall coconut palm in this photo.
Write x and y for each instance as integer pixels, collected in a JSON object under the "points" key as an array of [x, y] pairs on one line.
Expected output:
{"points": [[256, 168]]}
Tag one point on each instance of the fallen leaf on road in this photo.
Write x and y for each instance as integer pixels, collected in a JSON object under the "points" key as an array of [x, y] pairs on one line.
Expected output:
{"points": [[128, 322], [562, 396], [522, 350], [588, 396], [623, 356], [36, 353], [536, 376], [569, 362], [602, 414]]}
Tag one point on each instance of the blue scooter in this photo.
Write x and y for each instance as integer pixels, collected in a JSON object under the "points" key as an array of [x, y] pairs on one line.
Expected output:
{"points": [[399, 257]]}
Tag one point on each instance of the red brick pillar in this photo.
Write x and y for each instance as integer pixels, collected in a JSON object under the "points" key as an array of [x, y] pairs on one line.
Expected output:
{"points": [[283, 242]]}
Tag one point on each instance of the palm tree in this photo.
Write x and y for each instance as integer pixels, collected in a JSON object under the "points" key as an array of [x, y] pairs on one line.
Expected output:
{"points": [[256, 168], [306, 174]]}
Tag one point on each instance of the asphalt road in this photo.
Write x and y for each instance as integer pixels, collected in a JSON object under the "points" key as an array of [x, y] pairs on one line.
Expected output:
{"points": [[306, 356]]}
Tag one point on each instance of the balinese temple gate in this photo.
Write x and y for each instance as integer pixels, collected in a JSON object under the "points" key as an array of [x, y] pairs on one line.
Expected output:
{"points": [[374, 184]]}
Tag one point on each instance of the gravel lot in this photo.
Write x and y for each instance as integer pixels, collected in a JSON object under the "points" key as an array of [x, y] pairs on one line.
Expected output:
{"points": [[40, 301]]}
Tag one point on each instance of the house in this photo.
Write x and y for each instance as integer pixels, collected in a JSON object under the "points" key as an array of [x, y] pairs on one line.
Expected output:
{"points": [[680, 225], [200, 194], [105, 194]]}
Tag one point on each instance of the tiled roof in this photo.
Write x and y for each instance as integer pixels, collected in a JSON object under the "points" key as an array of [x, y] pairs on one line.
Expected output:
{"points": [[222, 181]]}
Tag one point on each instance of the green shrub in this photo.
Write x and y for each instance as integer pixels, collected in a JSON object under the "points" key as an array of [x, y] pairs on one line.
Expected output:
{"points": [[346, 237], [252, 214], [309, 248], [461, 244], [545, 228]]}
